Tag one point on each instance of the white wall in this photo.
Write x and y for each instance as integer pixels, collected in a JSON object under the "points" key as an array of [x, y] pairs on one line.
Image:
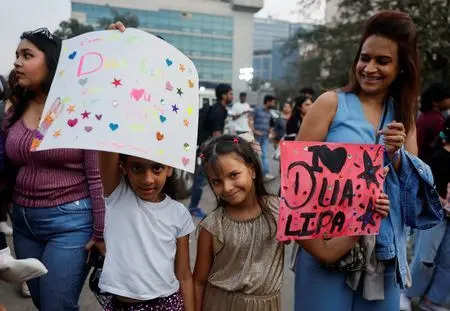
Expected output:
{"points": [[17, 16]]}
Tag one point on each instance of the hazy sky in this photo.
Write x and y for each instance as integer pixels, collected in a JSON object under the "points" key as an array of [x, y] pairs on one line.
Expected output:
{"points": [[289, 10], [17, 16]]}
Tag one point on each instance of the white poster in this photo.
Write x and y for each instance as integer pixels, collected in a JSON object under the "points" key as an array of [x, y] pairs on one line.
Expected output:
{"points": [[130, 93]]}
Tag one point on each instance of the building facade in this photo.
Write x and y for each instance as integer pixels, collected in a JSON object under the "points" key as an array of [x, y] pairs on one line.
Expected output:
{"points": [[215, 34], [270, 62]]}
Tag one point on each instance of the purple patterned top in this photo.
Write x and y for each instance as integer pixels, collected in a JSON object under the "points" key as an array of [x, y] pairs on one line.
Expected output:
{"points": [[54, 177]]}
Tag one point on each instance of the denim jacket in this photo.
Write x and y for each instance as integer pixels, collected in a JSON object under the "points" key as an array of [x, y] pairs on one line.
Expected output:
{"points": [[414, 202]]}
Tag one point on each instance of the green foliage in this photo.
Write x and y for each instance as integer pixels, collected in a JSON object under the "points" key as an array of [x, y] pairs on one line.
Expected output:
{"points": [[72, 28], [335, 44], [128, 19]]}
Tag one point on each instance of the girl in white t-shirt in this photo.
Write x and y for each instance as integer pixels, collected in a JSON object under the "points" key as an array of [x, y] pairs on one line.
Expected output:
{"points": [[147, 237]]}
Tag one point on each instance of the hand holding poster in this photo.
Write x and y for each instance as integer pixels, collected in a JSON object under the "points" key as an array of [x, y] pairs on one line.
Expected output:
{"points": [[329, 188], [130, 92]]}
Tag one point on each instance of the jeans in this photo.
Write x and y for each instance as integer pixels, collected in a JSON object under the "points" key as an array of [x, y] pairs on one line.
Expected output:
{"points": [[57, 237], [264, 143], [319, 289], [430, 268], [197, 187]]}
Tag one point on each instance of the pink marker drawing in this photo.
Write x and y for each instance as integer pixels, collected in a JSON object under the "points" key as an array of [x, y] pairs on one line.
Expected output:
{"points": [[99, 56]]}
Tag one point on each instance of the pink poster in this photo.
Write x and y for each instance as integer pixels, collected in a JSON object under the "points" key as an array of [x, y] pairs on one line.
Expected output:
{"points": [[329, 188]]}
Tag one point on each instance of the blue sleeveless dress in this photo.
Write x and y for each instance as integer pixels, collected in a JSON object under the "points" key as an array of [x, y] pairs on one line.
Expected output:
{"points": [[317, 288]]}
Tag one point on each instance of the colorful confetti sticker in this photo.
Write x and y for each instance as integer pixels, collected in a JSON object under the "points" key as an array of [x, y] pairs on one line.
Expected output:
{"points": [[61, 73], [190, 110], [169, 86], [35, 143], [159, 136], [113, 126], [66, 100], [88, 128], [162, 118], [179, 91], [72, 55], [72, 122], [57, 133], [186, 146], [186, 122], [182, 68], [117, 82], [98, 116], [83, 81], [169, 62], [137, 94], [185, 161], [175, 108], [190, 83], [85, 115], [71, 108], [137, 128]]}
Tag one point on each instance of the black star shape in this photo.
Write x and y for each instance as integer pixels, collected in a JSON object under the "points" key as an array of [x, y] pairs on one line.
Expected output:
{"points": [[179, 91], [369, 171], [367, 217], [175, 108]]}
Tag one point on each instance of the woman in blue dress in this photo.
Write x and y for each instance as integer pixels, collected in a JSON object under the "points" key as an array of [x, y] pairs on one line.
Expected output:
{"points": [[378, 105]]}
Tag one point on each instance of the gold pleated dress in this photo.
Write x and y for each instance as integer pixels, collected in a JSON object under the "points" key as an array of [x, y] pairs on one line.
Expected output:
{"points": [[247, 269]]}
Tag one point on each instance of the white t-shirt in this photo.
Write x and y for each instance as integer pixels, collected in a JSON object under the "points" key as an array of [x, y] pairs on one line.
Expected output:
{"points": [[240, 124], [140, 239]]}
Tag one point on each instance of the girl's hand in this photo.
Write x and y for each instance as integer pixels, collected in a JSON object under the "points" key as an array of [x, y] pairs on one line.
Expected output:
{"points": [[394, 137], [382, 205], [117, 26], [100, 245]]}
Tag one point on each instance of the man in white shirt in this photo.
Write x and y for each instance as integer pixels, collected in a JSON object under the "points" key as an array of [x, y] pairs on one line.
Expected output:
{"points": [[240, 114]]}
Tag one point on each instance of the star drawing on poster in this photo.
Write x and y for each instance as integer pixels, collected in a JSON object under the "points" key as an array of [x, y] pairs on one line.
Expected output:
{"points": [[367, 217], [369, 171], [85, 115], [116, 82], [175, 108]]}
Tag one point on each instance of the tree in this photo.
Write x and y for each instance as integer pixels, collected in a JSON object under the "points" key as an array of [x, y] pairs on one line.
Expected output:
{"points": [[128, 19], [336, 43], [72, 28]]}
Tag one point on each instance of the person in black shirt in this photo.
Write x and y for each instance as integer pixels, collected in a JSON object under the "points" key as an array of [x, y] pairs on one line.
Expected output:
{"points": [[215, 123]]}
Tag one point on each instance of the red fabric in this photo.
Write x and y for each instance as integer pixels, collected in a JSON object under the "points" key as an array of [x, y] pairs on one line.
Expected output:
{"points": [[429, 124], [54, 177]]}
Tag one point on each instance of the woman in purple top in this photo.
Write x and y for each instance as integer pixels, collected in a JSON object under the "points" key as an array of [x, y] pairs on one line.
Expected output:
{"points": [[58, 201]]}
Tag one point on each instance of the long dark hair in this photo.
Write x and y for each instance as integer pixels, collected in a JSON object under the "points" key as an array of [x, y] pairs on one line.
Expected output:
{"points": [[170, 186], [436, 92], [398, 27], [293, 124], [50, 45], [227, 144]]}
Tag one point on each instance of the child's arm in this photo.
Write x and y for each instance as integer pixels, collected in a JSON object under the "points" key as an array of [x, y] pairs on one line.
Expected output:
{"points": [[109, 171], [183, 272], [203, 264]]}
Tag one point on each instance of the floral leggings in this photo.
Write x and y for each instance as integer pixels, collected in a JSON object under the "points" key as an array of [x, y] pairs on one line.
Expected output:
{"points": [[173, 302]]}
